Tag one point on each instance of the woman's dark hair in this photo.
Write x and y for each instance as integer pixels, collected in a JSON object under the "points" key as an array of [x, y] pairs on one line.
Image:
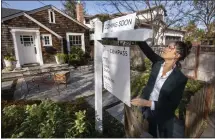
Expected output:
{"points": [[183, 48]]}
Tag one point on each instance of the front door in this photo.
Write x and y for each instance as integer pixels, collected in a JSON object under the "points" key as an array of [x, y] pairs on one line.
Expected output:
{"points": [[28, 47]]}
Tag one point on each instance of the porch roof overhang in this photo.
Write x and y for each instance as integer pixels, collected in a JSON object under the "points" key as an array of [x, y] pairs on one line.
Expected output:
{"points": [[20, 29]]}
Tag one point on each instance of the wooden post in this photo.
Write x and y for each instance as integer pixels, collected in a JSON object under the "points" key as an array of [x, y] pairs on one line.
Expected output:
{"points": [[197, 62]]}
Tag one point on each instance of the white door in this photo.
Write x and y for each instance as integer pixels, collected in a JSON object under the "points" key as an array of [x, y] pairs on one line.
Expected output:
{"points": [[28, 47]]}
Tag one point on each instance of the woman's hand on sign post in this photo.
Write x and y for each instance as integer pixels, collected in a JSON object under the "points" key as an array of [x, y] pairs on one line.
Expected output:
{"points": [[141, 102]]}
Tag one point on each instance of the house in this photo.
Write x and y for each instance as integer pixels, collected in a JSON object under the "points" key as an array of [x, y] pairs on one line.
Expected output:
{"points": [[35, 36], [144, 16]]}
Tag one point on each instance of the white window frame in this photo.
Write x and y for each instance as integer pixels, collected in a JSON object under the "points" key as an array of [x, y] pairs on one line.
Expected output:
{"points": [[82, 40], [50, 39], [49, 11]]}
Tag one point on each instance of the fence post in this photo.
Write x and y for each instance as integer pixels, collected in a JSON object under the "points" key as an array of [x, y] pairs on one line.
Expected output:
{"points": [[187, 122], [197, 62]]}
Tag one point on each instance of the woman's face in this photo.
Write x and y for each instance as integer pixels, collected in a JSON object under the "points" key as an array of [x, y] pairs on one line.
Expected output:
{"points": [[170, 53]]}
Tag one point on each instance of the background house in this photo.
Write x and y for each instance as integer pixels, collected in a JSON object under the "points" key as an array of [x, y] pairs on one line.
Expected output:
{"points": [[35, 36], [143, 20]]}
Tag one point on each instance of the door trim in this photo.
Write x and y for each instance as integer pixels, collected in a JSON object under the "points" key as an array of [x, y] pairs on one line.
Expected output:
{"points": [[39, 56]]}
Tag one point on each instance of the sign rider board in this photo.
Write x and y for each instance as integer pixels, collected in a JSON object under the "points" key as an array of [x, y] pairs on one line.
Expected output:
{"points": [[119, 24]]}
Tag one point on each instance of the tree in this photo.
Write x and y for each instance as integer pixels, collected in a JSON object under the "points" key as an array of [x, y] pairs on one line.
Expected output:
{"points": [[70, 7], [204, 14], [193, 33], [176, 11]]}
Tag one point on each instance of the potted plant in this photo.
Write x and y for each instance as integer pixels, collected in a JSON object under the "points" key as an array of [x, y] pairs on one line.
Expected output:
{"points": [[60, 58], [9, 62]]}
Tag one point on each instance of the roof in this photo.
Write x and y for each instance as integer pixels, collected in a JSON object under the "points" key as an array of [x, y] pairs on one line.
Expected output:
{"points": [[152, 8], [8, 12], [146, 25], [40, 9]]}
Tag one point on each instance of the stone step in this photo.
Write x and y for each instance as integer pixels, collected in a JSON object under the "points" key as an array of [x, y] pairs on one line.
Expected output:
{"points": [[30, 65]]}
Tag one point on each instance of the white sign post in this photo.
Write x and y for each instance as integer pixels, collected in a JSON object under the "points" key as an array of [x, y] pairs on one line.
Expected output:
{"points": [[116, 71], [115, 60]]}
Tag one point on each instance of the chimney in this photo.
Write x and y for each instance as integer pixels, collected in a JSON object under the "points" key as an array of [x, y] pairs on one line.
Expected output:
{"points": [[80, 12]]}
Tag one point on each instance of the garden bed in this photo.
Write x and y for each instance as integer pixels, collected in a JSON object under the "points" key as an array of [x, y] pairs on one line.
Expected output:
{"points": [[32, 119]]}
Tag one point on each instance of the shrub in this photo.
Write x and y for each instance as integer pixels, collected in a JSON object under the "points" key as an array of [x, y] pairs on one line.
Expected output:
{"points": [[62, 56], [9, 57], [46, 119], [192, 87], [77, 57]]}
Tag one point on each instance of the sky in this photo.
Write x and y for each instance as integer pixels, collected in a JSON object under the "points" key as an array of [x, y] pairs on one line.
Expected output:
{"points": [[91, 6]]}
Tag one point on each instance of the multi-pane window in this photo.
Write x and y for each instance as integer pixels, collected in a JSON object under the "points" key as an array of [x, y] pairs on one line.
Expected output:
{"points": [[47, 39], [75, 40], [51, 16], [175, 38], [26, 40]]}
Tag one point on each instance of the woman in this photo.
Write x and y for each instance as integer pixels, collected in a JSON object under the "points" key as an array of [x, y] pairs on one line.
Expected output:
{"points": [[164, 89]]}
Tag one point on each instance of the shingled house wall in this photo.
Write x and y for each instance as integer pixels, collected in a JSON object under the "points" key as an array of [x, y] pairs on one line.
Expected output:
{"points": [[22, 21], [61, 26]]}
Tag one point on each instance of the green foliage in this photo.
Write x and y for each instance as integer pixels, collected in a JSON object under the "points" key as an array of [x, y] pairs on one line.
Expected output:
{"points": [[62, 56], [78, 126], [9, 58], [77, 57], [46, 119], [192, 87], [69, 7], [148, 65], [140, 82], [193, 33], [104, 17]]}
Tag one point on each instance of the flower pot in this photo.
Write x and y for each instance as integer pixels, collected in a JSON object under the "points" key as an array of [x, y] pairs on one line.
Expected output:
{"points": [[10, 65], [59, 60]]}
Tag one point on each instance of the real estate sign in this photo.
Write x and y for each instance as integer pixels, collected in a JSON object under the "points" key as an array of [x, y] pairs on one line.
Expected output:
{"points": [[116, 71], [119, 24]]}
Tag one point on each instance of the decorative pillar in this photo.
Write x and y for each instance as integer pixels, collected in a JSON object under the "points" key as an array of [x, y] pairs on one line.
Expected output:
{"points": [[38, 45]]}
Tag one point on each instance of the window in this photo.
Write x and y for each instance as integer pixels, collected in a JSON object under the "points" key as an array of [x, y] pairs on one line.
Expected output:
{"points": [[47, 39], [51, 16], [87, 21], [174, 38], [26, 40], [75, 40]]}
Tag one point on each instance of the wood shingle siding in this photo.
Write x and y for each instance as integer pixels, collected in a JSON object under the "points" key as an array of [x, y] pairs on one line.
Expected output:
{"points": [[61, 26], [7, 39], [40, 20]]}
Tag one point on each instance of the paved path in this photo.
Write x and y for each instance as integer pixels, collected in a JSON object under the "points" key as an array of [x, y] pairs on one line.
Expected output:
{"points": [[81, 84]]}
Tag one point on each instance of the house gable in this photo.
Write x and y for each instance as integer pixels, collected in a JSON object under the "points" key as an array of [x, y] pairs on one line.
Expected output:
{"points": [[46, 8]]}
